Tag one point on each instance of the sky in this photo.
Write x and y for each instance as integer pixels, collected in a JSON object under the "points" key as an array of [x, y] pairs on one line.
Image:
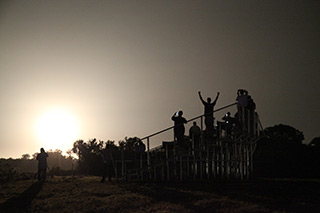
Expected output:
{"points": [[74, 70]]}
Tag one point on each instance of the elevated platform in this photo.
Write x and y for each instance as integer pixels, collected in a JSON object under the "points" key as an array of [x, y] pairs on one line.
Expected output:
{"points": [[225, 153]]}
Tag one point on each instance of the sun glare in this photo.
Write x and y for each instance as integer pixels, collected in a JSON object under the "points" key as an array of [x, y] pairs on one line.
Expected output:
{"points": [[57, 129]]}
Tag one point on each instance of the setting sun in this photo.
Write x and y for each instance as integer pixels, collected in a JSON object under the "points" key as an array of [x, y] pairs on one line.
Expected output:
{"points": [[57, 129]]}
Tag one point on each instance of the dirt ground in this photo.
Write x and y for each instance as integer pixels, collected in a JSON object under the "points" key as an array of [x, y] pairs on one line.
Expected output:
{"points": [[87, 194]]}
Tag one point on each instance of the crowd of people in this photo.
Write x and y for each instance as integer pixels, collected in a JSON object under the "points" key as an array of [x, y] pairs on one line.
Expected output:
{"points": [[245, 106]]}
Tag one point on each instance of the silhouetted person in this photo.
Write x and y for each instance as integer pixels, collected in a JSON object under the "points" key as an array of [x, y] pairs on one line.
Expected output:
{"points": [[195, 133], [251, 110], [107, 164], [42, 164], [228, 123], [208, 112], [242, 97], [140, 147], [251, 105], [179, 129]]}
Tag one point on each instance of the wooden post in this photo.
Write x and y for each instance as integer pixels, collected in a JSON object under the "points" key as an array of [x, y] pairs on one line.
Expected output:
{"points": [[251, 160], [163, 165], [214, 164], [194, 158], [188, 166], [122, 164], [207, 161], [248, 160], [181, 164], [236, 160], [200, 150], [241, 161], [148, 157], [248, 120], [141, 167], [222, 161], [167, 161], [201, 164], [227, 161]]}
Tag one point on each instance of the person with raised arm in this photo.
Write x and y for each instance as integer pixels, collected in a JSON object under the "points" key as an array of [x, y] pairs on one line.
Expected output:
{"points": [[179, 129], [208, 111]]}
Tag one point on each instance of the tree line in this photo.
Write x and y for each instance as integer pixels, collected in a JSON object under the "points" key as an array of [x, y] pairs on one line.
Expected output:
{"points": [[280, 152], [88, 160]]}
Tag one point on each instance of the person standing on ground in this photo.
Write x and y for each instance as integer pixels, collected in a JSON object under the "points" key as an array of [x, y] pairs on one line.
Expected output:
{"points": [[208, 111], [42, 164]]}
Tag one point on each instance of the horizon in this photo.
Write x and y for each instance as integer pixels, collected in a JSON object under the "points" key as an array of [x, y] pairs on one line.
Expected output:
{"points": [[109, 70]]}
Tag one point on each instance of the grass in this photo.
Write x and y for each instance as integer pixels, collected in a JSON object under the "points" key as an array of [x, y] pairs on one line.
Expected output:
{"points": [[87, 194]]}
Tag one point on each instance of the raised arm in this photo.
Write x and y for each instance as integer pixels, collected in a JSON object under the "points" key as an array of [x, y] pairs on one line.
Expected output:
{"points": [[201, 98], [215, 100], [173, 116]]}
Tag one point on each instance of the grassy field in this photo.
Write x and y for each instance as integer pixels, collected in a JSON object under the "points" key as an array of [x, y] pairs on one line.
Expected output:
{"points": [[87, 194]]}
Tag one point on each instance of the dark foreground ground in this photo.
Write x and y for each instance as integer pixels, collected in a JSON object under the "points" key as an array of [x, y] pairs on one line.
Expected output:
{"points": [[86, 194]]}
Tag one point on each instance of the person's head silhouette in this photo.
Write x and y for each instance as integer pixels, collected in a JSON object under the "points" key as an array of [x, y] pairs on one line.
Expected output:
{"points": [[180, 113], [194, 123], [209, 100], [42, 150]]}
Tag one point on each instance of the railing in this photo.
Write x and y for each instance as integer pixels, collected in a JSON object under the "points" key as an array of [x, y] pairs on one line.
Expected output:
{"points": [[169, 128], [200, 116]]}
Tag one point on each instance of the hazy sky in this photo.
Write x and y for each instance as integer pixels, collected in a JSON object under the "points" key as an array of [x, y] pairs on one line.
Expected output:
{"points": [[110, 69]]}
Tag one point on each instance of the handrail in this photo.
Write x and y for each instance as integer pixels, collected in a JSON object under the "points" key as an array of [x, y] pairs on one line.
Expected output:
{"points": [[149, 136]]}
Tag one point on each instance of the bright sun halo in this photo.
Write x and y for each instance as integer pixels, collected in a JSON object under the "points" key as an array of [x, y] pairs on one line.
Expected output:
{"points": [[57, 129]]}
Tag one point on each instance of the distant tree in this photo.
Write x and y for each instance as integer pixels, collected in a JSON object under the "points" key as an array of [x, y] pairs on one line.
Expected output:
{"points": [[57, 159], [315, 142], [111, 144], [280, 153], [128, 143], [284, 134], [25, 157], [34, 156], [89, 154]]}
